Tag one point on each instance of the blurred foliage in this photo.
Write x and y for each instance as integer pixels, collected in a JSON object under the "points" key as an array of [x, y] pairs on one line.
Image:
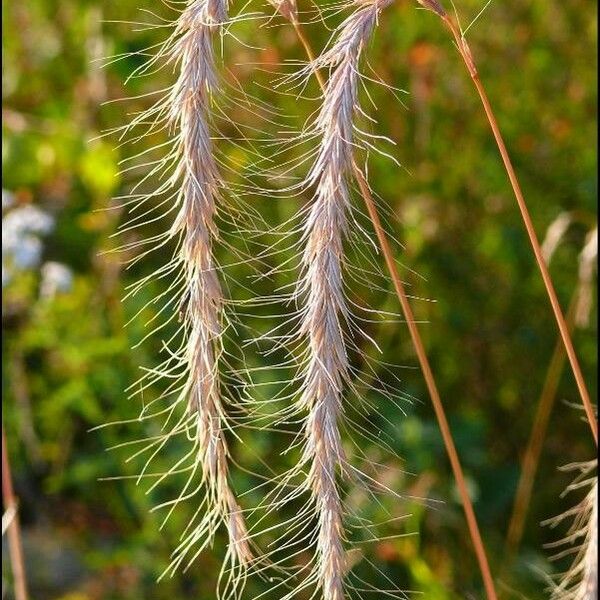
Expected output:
{"points": [[68, 357]]}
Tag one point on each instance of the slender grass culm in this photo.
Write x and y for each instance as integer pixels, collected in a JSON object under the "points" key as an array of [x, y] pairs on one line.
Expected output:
{"points": [[465, 53], [578, 316], [10, 523]]}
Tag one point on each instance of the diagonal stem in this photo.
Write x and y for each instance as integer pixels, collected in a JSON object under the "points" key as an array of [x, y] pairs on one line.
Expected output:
{"points": [[14, 536], [466, 55], [438, 407], [420, 351]]}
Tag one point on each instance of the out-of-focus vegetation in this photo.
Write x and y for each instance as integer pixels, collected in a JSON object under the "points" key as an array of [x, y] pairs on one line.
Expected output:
{"points": [[68, 357]]}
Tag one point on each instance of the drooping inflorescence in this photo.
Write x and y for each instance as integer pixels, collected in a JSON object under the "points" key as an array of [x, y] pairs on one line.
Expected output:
{"points": [[202, 304], [325, 310], [195, 403], [325, 319]]}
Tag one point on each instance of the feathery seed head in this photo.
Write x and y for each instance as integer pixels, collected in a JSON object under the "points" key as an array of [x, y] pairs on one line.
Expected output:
{"points": [[200, 183], [325, 312], [587, 266], [555, 233]]}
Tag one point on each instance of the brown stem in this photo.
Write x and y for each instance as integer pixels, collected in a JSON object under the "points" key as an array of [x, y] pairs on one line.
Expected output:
{"points": [[465, 53], [309, 51], [421, 355], [438, 407], [14, 536], [531, 457]]}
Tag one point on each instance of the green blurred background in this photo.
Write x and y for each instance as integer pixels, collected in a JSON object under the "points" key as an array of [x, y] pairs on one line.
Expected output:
{"points": [[67, 355]]}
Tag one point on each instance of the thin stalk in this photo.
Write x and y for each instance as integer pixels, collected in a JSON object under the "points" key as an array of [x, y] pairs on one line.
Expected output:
{"points": [[438, 407], [533, 451], [467, 56], [14, 537], [421, 354]]}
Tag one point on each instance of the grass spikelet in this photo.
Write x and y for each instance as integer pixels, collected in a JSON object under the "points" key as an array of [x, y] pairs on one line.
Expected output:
{"points": [[202, 304], [580, 582], [588, 263], [199, 389], [203, 301], [325, 319], [327, 372]]}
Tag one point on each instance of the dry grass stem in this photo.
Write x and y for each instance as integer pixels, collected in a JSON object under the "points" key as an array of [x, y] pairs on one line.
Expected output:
{"points": [[467, 56], [533, 450], [15, 550]]}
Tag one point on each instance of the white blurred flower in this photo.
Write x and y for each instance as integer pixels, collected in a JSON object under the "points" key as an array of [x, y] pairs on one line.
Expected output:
{"points": [[26, 253], [25, 219], [22, 227], [56, 278]]}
